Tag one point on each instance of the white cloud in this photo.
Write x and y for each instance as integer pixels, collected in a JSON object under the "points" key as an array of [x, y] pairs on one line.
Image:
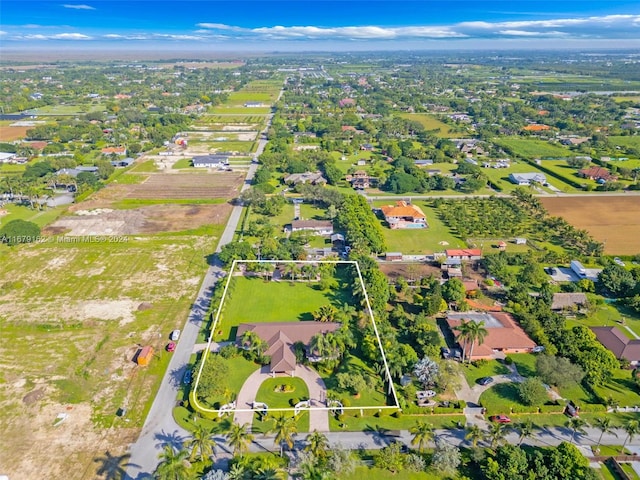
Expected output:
{"points": [[219, 26], [70, 36], [78, 6], [520, 33], [2, 33]]}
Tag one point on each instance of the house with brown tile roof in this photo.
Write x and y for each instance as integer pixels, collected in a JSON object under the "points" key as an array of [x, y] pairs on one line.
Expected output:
{"points": [[598, 174], [280, 338], [404, 215], [618, 343], [504, 334]]}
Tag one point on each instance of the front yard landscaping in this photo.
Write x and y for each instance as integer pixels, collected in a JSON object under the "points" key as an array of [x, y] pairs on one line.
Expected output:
{"points": [[278, 392], [483, 368]]}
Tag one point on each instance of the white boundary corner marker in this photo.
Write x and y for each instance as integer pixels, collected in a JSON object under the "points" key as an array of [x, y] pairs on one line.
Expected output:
{"points": [[216, 320]]}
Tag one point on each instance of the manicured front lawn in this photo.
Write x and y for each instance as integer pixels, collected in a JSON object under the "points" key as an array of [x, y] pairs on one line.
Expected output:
{"points": [[256, 300], [380, 474], [500, 398], [483, 369], [385, 422], [238, 370], [272, 393], [525, 363], [620, 389]]}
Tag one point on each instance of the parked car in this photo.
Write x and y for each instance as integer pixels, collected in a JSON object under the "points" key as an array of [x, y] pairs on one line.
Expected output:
{"points": [[485, 381], [187, 377], [538, 349], [500, 419], [446, 353], [171, 346], [572, 409], [619, 261], [175, 335]]}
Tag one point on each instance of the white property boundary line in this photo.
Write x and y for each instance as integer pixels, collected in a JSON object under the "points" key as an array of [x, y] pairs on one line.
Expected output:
{"points": [[216, 320]]}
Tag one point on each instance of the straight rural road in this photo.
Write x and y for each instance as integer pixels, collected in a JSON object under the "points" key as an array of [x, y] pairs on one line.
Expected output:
{"points": [[160, 427]]}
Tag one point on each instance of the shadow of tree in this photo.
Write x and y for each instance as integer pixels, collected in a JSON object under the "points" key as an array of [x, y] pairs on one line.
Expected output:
{"points": [[174, 439], [113, 467]]}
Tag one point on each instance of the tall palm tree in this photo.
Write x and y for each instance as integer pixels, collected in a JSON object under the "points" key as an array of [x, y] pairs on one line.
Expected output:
{"points": [[422, 434], [253, 342], [576, 425], [463, 338], [239, 438], [113, 467], [317, 444], [237, 472], [497, 432], [526, 430], [285, 428], [309, 270], [604, 425], [291, 270], [474, 435], [173, 464], [632, 427], [202, 445], [476, 333]]}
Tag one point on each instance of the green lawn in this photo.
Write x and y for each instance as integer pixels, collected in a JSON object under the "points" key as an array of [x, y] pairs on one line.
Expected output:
{"points": [[370, 423], [183, 163], [380, 474], [368, 397], [484, 369], [239, 369], [430, 122], [532, 148], [500, 398], [500, 176], [39, 217], [67, 109], [525, 363], [621, 389], [271, 392], [419, 241], [224, 110], [256, 300], [269, 423], [145, 167]]}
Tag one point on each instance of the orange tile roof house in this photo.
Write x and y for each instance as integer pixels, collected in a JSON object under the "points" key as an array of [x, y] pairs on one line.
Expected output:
{"points": [[598, 173], [504, 334], [404, 215], [116, 150], [280, 338], [536, 128]]}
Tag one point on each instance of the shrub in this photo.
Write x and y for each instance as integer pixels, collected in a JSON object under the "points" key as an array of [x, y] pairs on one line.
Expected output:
{"points": [[508, 361], [294, 401], [228, 351], [345, 402], [19, 231], [396, 414]]}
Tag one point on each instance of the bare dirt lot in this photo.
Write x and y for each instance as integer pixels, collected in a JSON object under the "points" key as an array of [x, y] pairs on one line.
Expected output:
{"points": [[615, 221], [8, 134], [187, 186], [409, 270], [145, 220]]}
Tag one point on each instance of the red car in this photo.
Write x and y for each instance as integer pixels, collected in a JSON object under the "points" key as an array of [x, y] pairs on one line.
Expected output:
{"points": [[171, 346], [500, 419]]}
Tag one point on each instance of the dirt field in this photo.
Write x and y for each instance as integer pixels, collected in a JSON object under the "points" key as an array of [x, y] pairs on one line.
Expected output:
{"points": [[144, 220], [409, 270], [8, 134], [612, 220], [187, 186]]}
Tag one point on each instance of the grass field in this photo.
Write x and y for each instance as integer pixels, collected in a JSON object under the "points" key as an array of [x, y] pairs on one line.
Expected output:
{"points": [[484, 369], [256, 300], [71, 325], [532, 148], [419, 240], [54, 110], [39, 217], [230, 110], [371, 423], [625, 141], [500, 176], [615, 221], [430, 122]]}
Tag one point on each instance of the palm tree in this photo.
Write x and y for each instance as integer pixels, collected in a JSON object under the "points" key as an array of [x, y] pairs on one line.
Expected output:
{"points": [[285, 428], [239, 438], [632, 428], [526, 429], [290, 270], [576, 425], [604, 425], [325, 313], [497, 432], [474, 435], [113, 467], [422, 434], [202, 444], [463, 336], [308, 270], [476, 332], [253, 342], [317, 444], [173, 464], [268, 474]]}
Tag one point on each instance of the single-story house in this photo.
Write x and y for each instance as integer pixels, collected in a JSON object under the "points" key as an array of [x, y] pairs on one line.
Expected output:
{"points": [[280, 338], [598, 174], [404, 215], [422, 163], [367, 147], [254, 104], [114, 150], [314, 178], [210, 161], [125, 162], [393, 256], [567, 301], [319, 227], [528, 178], [74, 172], [618, 343], [504, 334], [464, 253]]}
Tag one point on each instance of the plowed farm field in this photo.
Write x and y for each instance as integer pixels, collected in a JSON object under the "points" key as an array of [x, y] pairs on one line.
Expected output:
{"points": [[187, 186], [615, 221]]}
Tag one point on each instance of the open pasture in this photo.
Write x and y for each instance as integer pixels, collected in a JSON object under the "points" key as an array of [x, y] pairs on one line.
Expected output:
{"points": [[430, 122], [187, 186], [613, 220], [530, 148]]}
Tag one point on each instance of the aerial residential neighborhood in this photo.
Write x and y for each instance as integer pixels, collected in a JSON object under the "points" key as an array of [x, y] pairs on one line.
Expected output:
{"points": [[405, 246]]}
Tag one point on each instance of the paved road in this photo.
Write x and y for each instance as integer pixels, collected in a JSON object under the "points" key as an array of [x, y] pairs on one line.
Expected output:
{"points": [[159, 427]]}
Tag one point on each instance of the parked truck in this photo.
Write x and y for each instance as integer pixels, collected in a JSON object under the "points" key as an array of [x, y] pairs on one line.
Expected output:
{"points": [[578, 268]]}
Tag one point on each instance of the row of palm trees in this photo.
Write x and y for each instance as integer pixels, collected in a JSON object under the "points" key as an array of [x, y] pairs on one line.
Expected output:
{"points": [[526, 429]]}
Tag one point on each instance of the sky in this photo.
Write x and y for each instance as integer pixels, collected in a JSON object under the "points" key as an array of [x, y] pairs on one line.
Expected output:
{"points": [[318, 25]]}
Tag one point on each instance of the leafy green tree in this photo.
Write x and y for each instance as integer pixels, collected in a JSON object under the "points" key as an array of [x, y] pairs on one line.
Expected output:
{"points": [[453, 290], [446, 458], [354, 382], [509, 463], [317, 444], [210, 385], [532, 392], [566, 461], [390, 458], [526, 429], [19, 231], [617, 280], [236, 251], [558, 371], [496, 435], [426, 371], [325, 313]]}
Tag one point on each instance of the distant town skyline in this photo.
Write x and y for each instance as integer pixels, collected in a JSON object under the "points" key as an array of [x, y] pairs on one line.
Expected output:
{"points": [[308, 25]]}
